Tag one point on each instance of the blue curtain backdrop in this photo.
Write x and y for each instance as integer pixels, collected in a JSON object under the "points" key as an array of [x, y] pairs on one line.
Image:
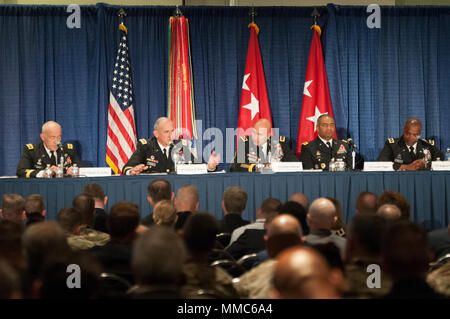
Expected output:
{"points": [[377, 77]]}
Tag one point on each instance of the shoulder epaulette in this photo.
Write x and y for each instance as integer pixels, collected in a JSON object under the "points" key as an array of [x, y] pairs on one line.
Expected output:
{"points": [[344, 141], [69, 146], [143, 141], [282, 138], [305, 143], [391, 140], [30, 146], [244, 138], [431, 141]]}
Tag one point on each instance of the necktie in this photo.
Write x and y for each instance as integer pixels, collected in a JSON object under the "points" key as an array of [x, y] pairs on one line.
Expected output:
{"points": [[411, 152], [165, 152], [53, 158], [329, 145]]}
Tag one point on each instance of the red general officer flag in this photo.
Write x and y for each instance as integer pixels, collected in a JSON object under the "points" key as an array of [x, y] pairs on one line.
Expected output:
{"points": [[254, 101], [316, 96]]}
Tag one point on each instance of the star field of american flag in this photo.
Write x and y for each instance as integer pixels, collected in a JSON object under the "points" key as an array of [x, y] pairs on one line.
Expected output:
{"points": [[122, 86]]}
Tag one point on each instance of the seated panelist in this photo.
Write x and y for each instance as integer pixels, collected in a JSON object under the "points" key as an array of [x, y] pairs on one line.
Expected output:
{"points": [[260, 149], [155, 155], [35, 158]]}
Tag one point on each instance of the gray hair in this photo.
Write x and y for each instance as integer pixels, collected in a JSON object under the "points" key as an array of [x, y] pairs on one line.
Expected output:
{"points": [[159, 121]]}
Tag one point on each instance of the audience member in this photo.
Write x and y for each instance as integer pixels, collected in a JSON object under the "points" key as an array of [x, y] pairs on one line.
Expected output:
{"points": [[296, 210], [439, 279], [158, 189], [13, 208], [332, 255], [186, 203], [165, 214], [366, 203], [301, 199], [11, 244], [70, 220], [339, 227], [363, 249], [9, 282], [233, 204], [302, 273], [389, 212], [34, 209], [157, 261], [100, 200], [404, 256], [321, 219], [397, 199], [202, 280], [115, 255], [439, 242], [268, 209], [283, 232], [85, 204]]}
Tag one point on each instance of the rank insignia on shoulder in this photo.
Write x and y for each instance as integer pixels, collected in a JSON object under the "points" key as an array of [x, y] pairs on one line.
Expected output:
{"points": [[305, 143], [244, 138], [70, 146], [322, 165], [282, 138], [30, 146], [143, 141], [391, 140], [431, 141], [344, 141]]}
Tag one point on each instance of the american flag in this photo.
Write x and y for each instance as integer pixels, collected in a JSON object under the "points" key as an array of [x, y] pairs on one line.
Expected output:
{"points": [[122, 137]]}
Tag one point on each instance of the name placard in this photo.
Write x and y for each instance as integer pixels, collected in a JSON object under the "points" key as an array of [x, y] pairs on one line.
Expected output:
{"points": [[283, 167], [378, 166], [95, 171], [192, 169], [440, 165]]}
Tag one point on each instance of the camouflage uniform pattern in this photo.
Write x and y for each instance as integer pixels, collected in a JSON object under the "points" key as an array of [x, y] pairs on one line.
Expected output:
{"points": [[87, 239], [257, 282]]}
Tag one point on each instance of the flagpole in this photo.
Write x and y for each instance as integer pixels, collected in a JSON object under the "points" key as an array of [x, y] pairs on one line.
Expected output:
{"points": [[252, 12], [315, 14]]}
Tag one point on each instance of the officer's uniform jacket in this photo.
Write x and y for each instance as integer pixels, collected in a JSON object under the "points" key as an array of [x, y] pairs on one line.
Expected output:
{"points": [[317, 155]]}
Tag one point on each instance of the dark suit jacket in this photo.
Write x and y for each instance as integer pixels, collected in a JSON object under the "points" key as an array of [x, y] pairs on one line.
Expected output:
{"points": [[182, 218], [395, 150], [148, 220], [35, 158], [439, 242], [248, 153], [251, 241], [100, 218], [316, 155], [230, 222]]}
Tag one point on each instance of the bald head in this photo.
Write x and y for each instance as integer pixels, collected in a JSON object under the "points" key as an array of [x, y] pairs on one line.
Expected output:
{"points": [[389, 212], [301, 272], [261, 132], [413, 122], [301, 199], [322, 214], [284, 224], [51, 134], [187, 199]]}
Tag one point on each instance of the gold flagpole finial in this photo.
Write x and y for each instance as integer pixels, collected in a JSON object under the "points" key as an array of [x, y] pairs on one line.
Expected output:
{"points": [[177, 13], [315, 14], [252, 12]]}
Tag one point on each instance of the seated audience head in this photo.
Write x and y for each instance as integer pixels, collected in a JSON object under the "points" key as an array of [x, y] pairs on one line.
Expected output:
{"points": [[97, 192], [199, 234], [123, 220], [301, 272], [9, 281], [70, 220], [339, 214], [84, 203], [41, 241], [366, 203], [301, 199], [296, 210], [158, 257], [13, 207], [404, 252], [159, 189], [165, 214], [11, 243], [234, 200], [187, 199], [268, 209], [34, 208], [284, 231], [397, 199], [365, 237], [389, 212], [322, 214]]}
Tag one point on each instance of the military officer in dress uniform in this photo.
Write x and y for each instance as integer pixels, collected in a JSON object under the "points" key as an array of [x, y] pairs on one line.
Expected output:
{"points": [[407, 151], [260, 149], [154, 155], [36, 157], [318, 153]]}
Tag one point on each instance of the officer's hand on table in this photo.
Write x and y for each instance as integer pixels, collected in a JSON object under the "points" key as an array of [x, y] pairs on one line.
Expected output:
{"points": [[69, 171], [414, 166], [138, 169]]}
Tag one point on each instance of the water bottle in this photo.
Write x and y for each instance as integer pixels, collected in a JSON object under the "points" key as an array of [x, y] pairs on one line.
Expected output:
{"points": [[75, 170], [340, 165], [332, 166], [59, 171], [447, 154], [48, 171]]}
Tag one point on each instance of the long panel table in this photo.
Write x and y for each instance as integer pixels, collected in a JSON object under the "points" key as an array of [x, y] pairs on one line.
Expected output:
{"points": [[427, 192]]}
